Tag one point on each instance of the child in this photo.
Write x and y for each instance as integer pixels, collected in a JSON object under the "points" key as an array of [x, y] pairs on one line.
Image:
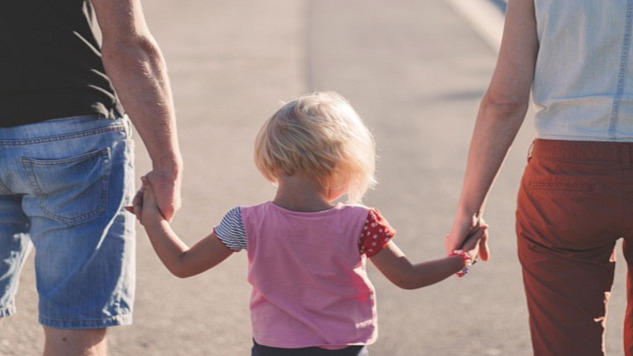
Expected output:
{"points": [[307, 254]]}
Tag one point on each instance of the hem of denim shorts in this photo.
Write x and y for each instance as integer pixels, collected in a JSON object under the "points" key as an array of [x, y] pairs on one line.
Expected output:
{"points": [[118, 320], [7, 311]]}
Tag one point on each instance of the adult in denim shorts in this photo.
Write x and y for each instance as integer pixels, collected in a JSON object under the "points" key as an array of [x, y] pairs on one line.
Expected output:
{"points": [[66, 163], [576, 196]]}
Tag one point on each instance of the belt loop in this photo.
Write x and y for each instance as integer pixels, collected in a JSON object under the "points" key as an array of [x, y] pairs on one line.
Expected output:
{"points": [[625, 155], [529, 152]]}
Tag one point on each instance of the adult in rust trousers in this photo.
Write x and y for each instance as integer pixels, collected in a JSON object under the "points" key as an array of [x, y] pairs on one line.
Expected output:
{"points": [[576, 195]]}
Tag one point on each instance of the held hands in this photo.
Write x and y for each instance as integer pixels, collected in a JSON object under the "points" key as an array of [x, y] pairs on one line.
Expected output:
{"points": [[146, 206], [470, 247], [475, 239], [463, 234], [166, 189]]}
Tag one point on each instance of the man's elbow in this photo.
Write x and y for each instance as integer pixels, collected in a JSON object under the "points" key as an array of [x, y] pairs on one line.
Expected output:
{"points": [[130, 51]]}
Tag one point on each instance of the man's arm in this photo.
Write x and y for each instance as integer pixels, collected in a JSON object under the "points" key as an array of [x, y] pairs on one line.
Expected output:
{"points": [[135, 65]]}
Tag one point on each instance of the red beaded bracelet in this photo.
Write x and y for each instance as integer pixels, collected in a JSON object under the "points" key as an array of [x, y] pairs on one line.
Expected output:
{"points": [[468, 261]]}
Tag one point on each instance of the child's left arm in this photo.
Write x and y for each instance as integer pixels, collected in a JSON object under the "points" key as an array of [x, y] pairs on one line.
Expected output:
{"points": [[180, 260], [397, 268]]}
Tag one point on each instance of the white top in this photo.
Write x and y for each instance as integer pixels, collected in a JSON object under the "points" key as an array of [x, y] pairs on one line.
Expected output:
{"points": [[583, 84]]}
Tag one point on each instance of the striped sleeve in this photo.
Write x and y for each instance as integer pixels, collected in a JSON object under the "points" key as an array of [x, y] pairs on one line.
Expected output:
{"points": [[231, 230]]}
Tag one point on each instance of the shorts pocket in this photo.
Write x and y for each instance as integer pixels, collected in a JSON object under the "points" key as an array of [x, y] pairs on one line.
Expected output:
{"points": [[71, 190]]}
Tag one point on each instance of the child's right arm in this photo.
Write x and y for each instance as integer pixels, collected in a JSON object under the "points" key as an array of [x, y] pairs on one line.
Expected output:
{"points": [[395, 266], [180, 260]]}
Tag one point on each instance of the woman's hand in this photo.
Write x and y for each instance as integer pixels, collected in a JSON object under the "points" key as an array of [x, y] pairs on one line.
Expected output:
{"points": [[476, 242], [469, 235]]}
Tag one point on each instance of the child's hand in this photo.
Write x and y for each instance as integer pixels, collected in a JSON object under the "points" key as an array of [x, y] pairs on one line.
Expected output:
{"points": [[150, 212], [476, 238], [137, 203]]}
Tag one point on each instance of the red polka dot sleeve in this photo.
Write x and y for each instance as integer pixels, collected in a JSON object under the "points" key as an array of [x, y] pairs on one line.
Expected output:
{"points": [[376, 233]]}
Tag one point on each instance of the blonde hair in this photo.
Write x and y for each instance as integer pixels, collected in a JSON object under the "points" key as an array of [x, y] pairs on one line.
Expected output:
{"points": [[319, 136]]}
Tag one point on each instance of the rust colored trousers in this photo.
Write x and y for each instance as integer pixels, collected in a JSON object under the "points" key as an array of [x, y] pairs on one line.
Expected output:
{"points": [[574, 203]]}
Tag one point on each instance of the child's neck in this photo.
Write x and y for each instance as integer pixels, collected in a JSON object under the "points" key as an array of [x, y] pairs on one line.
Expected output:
{"points": [[301, 194]]}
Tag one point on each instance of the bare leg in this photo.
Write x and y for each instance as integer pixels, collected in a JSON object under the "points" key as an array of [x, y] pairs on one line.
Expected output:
{"points": [[67, 342]]}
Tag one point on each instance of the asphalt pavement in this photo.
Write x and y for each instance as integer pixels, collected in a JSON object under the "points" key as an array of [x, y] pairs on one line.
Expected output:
{"points": [[415, 71]]}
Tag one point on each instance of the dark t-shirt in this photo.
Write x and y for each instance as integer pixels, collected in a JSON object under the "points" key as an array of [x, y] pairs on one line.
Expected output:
{"points": [[50, 62]]}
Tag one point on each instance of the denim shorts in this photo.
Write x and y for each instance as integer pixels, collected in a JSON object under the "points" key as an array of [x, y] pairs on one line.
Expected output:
{"points": [[63, 187]]}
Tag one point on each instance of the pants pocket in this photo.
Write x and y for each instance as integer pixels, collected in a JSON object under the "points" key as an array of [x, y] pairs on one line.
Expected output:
{"points": [[71, 190]]}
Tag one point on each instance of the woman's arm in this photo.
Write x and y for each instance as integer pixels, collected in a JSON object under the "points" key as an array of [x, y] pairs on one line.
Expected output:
{"points": [[501, 113]]}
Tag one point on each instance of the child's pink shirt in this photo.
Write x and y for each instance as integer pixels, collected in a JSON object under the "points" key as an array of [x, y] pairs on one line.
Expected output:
{"points": [[310, 284]]}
